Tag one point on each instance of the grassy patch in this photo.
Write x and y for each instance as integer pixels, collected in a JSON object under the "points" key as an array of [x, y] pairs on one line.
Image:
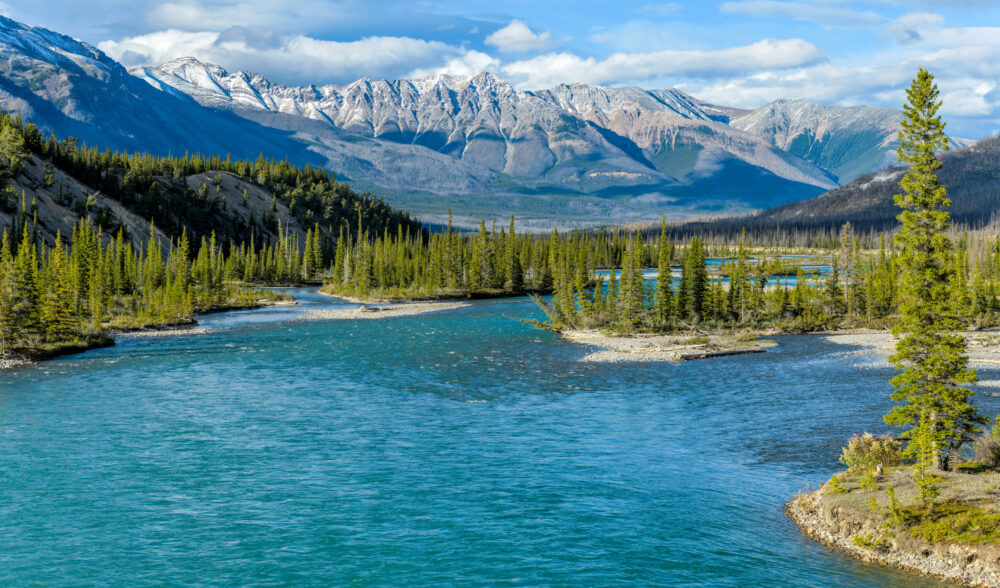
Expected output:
{"points": [[969, 513], [952, 521]]}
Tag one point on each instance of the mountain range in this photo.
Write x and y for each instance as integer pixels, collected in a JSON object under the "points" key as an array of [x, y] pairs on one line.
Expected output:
{"points": [[578, 154]]}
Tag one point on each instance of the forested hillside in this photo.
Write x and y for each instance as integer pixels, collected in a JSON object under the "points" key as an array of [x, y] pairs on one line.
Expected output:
{"points": [[53, 183]]}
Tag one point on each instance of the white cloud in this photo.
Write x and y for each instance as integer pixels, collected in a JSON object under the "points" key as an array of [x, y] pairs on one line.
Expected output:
{"points": [[294, 59], [965, 76], [554, 68], [823, 14], [516, 37], [465, 65], [159, 47]]}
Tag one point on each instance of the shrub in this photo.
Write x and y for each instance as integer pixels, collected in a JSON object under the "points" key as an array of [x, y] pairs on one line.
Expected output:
{"points": [[987, 448], [954, 522], [868, 480], [895, 507], [864, 452], [833, 486]]}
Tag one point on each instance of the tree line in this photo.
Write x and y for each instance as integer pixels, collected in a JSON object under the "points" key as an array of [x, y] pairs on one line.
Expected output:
{"points": [[69, 293], [752, 290]]}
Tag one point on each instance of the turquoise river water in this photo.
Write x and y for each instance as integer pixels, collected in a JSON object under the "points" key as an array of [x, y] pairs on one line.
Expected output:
{"points": [[461, 448]]}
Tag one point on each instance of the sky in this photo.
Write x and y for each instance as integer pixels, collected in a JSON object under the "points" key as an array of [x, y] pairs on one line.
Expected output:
{"points": [[741, 53]]}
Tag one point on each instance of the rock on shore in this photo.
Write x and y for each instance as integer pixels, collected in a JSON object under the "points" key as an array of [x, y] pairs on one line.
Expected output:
{"points": [[9, 363]]}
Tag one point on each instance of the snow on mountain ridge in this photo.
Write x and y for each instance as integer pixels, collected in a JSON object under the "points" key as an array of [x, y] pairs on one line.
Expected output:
{"points": [[485, 120]]}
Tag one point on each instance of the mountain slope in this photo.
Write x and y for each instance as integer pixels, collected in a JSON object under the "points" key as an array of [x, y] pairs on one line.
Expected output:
{"points": [[72, 88], [49, 185], [971, 175], [847, 141]]}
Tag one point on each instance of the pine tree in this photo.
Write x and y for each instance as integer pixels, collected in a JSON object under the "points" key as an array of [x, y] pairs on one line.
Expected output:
{"points": [[696, 278], [929, 391], [515, 273], [8, 325], [632, 286], [57, 299], [664, 277]]}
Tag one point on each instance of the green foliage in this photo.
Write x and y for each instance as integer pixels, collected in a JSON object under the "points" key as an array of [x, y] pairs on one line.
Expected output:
{"points": [[924, 443], [930, 390], [409, 265], [833, 485], [12, 150], [53, 298], [865, 452], [952, 522], [629, 304], [866, 541], [868, 481], [894, 508], [664, 304]]}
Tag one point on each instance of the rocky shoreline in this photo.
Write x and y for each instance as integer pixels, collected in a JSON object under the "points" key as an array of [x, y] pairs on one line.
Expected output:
{"points": [[674, 348], [976, 565], [9, 363]]}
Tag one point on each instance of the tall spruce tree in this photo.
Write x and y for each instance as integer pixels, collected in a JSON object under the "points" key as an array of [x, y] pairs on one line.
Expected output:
{"points": [[664, 276], [930, 391]]}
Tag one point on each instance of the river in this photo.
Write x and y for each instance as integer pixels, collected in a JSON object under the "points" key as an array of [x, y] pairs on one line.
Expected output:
{"points": [[459, 448]]}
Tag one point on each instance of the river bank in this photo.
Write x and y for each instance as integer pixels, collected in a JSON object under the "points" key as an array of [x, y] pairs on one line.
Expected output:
{"points": [[845, 520], [876, 346], [107, 338], [9, 363], [44, 351], [675, 347]]}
